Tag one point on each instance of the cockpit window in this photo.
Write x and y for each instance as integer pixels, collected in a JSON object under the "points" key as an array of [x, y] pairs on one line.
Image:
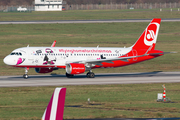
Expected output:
{"points": [[12, 53], [16, 53]]}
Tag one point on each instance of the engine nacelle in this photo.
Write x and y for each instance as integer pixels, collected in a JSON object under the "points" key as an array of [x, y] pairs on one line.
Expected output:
{"points": [[75, 68], [44, 70]]}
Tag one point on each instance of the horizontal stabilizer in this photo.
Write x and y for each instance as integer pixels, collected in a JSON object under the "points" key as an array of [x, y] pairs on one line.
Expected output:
{"points": [[153, 54]]}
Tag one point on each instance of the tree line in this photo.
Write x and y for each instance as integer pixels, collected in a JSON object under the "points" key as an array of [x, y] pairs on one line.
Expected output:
{"points": [[79, 2]]}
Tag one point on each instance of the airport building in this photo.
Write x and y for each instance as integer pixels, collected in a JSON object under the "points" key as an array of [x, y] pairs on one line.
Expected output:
{"points": [[48, 5]]}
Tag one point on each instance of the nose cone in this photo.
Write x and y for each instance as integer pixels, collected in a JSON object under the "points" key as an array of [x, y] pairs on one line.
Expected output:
{"points": [[8, 60]]}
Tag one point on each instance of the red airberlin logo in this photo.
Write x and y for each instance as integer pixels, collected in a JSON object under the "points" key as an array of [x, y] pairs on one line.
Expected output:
{"points": [[150, 34]]}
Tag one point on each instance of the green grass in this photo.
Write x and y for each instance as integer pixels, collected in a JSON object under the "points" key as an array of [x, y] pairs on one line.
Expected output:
{"points": [[107, 101], [90, 15], [91, 35]]}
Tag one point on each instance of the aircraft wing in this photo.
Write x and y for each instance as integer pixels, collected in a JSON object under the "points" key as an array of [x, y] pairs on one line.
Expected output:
{"points": [[109, 60]]}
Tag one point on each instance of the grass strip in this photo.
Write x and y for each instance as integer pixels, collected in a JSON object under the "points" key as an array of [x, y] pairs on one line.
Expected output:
{"points": [[89, 14], [107, 101]]}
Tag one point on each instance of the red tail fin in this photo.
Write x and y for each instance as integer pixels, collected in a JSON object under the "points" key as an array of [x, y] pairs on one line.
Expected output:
{"points": [[147, 40], [55, 108]]}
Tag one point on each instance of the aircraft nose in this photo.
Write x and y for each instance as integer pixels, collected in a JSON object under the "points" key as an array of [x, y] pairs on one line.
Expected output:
{"points": [[9, 61]]}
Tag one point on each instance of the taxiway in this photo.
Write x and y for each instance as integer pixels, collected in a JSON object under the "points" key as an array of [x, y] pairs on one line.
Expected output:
{"points": [[85, 21], [108, 78]]}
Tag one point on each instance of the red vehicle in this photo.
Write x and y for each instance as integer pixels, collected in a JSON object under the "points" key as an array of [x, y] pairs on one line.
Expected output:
{"points": [[63, 8]]}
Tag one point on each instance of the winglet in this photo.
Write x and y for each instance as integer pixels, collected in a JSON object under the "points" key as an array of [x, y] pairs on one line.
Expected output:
{"points": [[55, 108], [54, 43]]}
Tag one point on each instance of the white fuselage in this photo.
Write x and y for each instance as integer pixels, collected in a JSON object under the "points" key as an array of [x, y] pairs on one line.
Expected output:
{"points": [[60, 56]]}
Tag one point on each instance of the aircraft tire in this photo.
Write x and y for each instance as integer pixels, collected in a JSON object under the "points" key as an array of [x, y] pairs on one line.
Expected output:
{"points": [[25, 76], [90, 75]]}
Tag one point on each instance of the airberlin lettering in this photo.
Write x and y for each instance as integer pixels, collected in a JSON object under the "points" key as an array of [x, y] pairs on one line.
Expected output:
{"points": [[84, 51]]}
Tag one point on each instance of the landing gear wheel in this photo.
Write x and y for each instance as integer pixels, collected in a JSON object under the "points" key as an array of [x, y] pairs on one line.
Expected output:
{"points": [[25, 76], [90, 75], [69, 75]]}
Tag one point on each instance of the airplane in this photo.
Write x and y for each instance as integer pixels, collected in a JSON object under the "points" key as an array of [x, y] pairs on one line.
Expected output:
{"points": [[77, 60], [55, 108]]}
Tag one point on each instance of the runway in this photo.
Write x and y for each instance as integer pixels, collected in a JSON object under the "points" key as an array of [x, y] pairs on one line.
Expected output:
{"points": [[85, 21], [113, 78]]}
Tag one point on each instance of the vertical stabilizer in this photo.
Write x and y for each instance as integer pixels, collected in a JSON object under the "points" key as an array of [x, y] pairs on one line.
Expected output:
{"points": [[55, 108], [147, 40]]}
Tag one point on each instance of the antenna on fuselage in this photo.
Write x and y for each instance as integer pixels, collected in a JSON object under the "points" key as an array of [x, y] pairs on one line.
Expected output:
{"points": [[98, 46]]}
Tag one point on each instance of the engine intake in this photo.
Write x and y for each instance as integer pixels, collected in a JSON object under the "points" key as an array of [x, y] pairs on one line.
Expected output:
{"points": [[75, 68], [44, 70]]}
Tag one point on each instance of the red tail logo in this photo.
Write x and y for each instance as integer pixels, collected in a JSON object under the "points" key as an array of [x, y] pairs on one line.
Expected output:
{"points": [[150, 34]]}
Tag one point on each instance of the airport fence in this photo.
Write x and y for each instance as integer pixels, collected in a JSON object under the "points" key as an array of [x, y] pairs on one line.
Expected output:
{"points": [[98, 7], [122, 6]]}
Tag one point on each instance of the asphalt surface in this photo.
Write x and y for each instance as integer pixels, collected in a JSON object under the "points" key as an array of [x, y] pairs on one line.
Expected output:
{"points": [[115, 78], [85, 21]]}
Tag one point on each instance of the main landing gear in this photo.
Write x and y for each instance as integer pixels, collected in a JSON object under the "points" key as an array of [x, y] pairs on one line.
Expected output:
{"points": [[90, 74], [25, 76]]}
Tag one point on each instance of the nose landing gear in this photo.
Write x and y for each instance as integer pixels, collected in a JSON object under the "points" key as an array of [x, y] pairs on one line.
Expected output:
{"points": [[25, 76]]}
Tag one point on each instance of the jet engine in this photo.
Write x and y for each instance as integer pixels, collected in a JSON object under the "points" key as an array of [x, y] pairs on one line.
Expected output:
{"points": [[75, 68], [44, 70]]}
